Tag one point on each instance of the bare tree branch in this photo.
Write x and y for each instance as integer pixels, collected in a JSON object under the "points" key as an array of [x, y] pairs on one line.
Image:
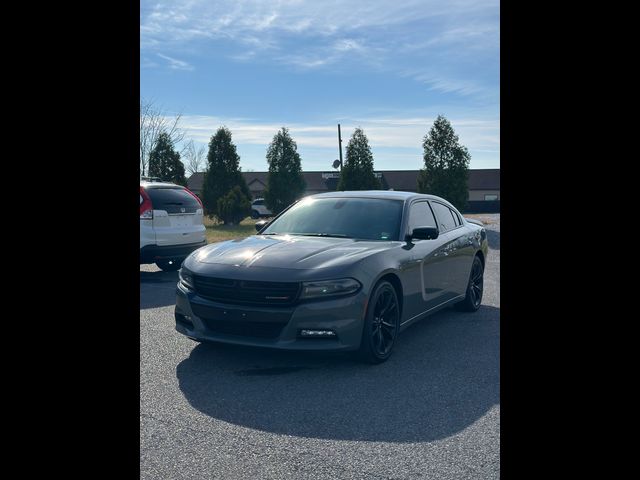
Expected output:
{"points": [[194, 157], [153, 122]]}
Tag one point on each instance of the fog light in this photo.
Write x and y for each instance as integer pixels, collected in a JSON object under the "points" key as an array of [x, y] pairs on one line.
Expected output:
{"points": [[184, 320], [317, 333]]}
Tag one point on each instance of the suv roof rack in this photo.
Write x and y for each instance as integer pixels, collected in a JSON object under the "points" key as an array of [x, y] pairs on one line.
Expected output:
{"points": [[151, 179]]}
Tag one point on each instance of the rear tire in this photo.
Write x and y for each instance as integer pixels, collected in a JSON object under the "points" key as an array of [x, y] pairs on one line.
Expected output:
{"points": [[169, 265], [381, 324], [475, 287]]}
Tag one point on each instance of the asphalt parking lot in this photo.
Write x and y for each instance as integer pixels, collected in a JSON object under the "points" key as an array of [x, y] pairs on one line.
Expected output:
{"points": [[216, 411]]}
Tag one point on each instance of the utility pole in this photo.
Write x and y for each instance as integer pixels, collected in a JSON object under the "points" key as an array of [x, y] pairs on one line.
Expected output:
{"points": [[340, 146]]}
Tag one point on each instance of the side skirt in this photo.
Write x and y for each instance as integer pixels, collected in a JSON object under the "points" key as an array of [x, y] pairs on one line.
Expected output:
{"points": [[440, 306]]}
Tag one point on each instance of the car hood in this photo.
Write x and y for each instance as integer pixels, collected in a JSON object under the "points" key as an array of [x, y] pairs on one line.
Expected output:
{"points": [[292, 252]]}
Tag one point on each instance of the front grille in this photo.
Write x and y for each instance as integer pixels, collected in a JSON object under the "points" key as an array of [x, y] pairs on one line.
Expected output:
{"points": [[245, 323], [246, 292]]}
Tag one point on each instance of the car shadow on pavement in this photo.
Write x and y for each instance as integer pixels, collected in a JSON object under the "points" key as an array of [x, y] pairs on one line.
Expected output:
{"points": [[493, 238], [443, 377], [157, 289]]}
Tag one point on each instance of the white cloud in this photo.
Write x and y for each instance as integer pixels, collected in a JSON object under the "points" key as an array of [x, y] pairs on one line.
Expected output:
{"points": [[174, 63], [306, 62], [334, 34], [395, 137], [148, 63], [347, 44], [448, 85], [237, 17]]}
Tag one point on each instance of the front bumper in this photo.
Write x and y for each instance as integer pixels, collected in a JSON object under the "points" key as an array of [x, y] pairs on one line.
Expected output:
{"points": [[272, 327], [153, 253]]}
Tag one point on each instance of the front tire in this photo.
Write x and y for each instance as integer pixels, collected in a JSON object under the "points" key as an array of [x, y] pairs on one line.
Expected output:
{"points": [[381, 324], [169, 265], [475, 287], [255, 214]]}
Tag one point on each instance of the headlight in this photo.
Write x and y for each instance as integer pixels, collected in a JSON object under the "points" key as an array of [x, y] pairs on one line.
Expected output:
{"points": [[186, 278], [329, 288]]}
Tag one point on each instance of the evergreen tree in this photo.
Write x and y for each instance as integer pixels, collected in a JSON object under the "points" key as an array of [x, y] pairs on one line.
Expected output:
{"points": [[234, 206], [285, 183], [357, 172], [446, 165], [223, 171], [164, 162]]}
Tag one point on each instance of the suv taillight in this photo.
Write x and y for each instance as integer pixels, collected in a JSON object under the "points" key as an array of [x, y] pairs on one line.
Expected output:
{"points": [[196, 197], [146, 207]]}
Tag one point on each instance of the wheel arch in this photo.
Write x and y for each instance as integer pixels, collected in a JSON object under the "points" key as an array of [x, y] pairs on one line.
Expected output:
{"points": [[396, 283]]}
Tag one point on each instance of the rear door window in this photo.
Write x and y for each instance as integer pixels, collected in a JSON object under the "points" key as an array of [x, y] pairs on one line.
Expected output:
{"points": [[456, 218], [173, 200], [445, 217]]}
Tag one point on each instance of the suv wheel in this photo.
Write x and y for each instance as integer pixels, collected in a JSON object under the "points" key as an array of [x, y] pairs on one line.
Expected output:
{"points": [[255, 214]]}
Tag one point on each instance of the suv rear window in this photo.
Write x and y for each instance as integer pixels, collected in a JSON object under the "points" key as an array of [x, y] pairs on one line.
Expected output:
{"points": [[173, 200]]}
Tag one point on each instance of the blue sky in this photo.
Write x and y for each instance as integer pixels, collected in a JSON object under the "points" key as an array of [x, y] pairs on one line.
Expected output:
{"points": [[389, 67]]}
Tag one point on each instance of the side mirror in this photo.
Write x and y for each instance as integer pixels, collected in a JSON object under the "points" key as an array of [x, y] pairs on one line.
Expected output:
{"points": [[422, 233], [261, 224]]}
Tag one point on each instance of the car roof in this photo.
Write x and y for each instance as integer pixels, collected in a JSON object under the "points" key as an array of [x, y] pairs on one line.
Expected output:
{"points": [[382, 194], [146, 184]]}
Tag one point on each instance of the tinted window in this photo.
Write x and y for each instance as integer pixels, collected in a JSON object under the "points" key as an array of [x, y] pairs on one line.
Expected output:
{"points": [[420, 215], [456, 218], [258, 202], [362, 218], [173, 200], [445, 217]]}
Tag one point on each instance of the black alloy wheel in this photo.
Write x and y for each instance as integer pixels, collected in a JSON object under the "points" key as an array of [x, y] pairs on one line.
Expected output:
{"points": [[382, 324], [473, 298]]}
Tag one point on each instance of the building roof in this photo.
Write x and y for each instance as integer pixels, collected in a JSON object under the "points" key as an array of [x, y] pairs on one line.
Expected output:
{"points": [[195, 181], [250, 177], [403, 180]]}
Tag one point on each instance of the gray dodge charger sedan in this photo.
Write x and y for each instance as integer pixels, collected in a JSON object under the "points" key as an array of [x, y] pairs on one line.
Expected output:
{"points": [[335, 271]]}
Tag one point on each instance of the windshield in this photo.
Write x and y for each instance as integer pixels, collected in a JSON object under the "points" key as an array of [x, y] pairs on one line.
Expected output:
{"points": [[360, 218]]}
